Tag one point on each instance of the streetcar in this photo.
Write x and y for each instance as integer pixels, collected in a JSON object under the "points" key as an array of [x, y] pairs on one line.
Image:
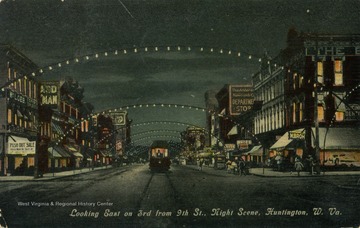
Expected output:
{"points": [[159, 156]]}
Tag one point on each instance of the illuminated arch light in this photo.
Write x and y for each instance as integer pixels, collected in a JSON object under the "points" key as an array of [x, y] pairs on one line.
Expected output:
{"points": [[116, 52], [221, 51], [125, 52]]}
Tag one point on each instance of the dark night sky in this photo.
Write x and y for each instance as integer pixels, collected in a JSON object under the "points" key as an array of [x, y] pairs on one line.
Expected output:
{"points": [[52, 31]]}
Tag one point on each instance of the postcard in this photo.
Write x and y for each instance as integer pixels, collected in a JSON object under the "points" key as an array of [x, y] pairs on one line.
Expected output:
{"points": [[154, 113]]}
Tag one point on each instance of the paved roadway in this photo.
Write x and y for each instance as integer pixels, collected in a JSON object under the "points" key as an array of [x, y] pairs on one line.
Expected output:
{"points": [[132, 196]]}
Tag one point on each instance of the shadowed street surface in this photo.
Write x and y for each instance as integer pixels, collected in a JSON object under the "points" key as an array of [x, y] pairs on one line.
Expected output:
{"points": [[132, 196]]}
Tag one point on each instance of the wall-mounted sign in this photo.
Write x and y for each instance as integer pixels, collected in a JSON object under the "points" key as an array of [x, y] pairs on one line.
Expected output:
{"points": [[297, 134], [118, 118], [241, 98], [49, 94], [332, 51], [21, 146]]}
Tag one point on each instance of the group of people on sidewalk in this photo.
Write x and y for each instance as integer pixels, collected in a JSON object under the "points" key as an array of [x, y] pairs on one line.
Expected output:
{"points": [[312, 165], [238, 166]]}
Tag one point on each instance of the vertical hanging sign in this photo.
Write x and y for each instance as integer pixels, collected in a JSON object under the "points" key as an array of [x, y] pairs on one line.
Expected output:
{"points": [[50, 94]]}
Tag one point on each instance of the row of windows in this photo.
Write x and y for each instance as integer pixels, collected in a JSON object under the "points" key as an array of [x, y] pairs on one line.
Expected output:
{"points": [[16, 118], [338, 72], [22, 85], [69, 110]]}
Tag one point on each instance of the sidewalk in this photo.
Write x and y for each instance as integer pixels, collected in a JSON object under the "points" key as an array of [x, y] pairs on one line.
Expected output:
{"points": [[269, 172], [51, 176]]}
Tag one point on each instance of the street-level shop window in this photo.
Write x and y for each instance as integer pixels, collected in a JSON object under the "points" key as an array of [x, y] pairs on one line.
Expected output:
{"points": [[339, 116]]}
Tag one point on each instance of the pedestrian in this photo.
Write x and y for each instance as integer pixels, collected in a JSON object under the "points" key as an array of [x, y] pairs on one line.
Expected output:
{"points": [[298, 166], [201, 162], [242, 167]]}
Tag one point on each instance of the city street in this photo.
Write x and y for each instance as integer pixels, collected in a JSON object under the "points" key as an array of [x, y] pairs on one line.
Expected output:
{"points": [[132, 196]]}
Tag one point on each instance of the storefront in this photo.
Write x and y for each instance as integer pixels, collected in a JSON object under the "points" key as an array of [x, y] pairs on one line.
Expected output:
{"points": [[255, 154], [339, 146], [20, 155], [76, 156], [59, 158]]}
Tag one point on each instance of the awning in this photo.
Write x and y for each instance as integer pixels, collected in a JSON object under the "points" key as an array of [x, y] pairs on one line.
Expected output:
{"points": [[54, 153], [57, 128], [285, 142], [255, 151], [338, 138], [20, 146], [233, 131], [74, 150], [61, 151], [19, 114]]}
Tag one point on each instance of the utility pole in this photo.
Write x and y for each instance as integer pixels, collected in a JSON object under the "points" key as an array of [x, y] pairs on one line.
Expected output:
{"points": [[316, 119]]}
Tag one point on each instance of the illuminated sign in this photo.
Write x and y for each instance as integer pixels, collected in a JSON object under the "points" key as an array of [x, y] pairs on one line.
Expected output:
{"points": [[241, 99], [243, 144], [118, 118], [297, 134], [49, 94]]}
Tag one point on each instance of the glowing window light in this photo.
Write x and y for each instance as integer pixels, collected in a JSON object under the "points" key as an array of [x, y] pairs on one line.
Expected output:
{"points": [[179, 48], [156, 49], [116, 52], [97, 56], [59, 64], [201, 49], [250, 57], [146, 49], [106, 54], [77, 60], [239, 54], [168, 48], [135, 50], [125, 52], [221, 51], [189, 48], [33, 73], [229, 52], [67, 62], [87, 57], [212, 49], [50, 68], [41, 71], [259, 59]]}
